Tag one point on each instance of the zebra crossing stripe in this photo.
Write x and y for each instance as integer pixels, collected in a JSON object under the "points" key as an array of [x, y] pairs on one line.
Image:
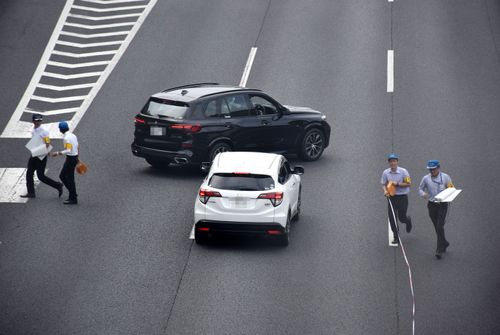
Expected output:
{"points": [[82, 20]]}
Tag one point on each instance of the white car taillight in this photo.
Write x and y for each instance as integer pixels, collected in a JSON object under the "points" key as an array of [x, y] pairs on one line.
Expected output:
{"points": [[276, 198], [204, 195]]}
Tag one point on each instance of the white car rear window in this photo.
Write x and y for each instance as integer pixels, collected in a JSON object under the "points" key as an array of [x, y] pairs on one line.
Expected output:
{"points": [[241, 182]]}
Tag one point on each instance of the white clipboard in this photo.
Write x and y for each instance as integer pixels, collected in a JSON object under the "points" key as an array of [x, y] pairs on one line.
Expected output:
{"points": [[448, 195]]}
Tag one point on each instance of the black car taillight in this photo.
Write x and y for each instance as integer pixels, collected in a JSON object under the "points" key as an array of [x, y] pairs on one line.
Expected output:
{"points": [[204, 195], [139, 121], [276, 198], [188, 128]]}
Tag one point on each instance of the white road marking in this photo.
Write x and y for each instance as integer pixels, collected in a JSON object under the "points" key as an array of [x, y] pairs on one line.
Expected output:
{"points": [[53, 111], [391, 0], [100, 26], [390, 235], [191, 235], [248, 67], [13, 184], [16, 128], [77, 65], [112, 9], [64, 88], [94, 35], [390, 71]]}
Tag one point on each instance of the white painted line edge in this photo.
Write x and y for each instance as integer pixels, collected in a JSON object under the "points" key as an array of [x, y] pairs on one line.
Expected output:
{"points": [[248, 67], [191, 234], [390, 71]]}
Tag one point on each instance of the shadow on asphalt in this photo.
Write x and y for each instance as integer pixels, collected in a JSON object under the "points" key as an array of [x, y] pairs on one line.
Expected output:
{"points": [[245, 243]]}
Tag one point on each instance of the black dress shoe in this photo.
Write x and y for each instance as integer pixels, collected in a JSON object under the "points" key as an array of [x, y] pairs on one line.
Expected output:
{"points": [[60, 189], [28, 195], [446, 245], [408, 225], [439, 254], [70, 202], [395, 241]]}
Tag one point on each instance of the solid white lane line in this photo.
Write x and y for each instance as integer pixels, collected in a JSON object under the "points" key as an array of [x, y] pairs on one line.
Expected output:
{"points": [[390, 71], [248, 67]]}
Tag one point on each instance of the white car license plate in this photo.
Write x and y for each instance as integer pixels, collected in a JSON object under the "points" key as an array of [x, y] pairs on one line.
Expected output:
{"points": [[239, 203], [157, 131]]}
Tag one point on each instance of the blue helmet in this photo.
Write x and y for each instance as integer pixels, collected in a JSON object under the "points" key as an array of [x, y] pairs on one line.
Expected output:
{"points": [[392, 156], [63, 125], [433, 164]]}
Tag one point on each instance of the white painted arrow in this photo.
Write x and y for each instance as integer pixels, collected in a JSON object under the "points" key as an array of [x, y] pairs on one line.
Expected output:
{"points": [[56, 100], [112, 9], [79, 65], [71, 76]]}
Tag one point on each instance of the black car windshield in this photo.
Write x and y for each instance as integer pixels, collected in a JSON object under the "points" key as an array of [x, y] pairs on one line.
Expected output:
{"points": [[165, 108], [241, 182]]}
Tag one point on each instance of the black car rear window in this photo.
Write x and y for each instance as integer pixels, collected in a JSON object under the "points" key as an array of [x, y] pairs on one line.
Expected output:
{"points": [[166, 108], [241, 182]]}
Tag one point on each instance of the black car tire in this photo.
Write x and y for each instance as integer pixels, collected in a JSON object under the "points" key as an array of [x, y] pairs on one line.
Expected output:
{"points": [[284, 239], [201, 238], [312, 145], [158, 163], [218, 148]]}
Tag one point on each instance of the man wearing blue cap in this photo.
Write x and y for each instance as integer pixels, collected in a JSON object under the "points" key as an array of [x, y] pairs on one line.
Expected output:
{"points": [[397, 179], [67, 175], [432, 184], [37, 164]]}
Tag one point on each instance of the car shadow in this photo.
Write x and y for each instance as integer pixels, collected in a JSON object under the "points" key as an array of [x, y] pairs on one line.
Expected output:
{"points": [[246, 243]]}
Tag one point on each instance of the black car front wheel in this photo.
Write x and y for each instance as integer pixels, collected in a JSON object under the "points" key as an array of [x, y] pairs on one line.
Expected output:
{"points": [[312, 145], [218, 148]]}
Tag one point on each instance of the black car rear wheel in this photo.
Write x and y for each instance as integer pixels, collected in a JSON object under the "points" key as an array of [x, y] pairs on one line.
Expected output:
{"points": [[218, 148], [312, 145], [284, 239]]}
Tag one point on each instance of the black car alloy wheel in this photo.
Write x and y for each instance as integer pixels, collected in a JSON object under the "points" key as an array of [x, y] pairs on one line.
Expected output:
{"points": [[218, 148], [313, 145]]}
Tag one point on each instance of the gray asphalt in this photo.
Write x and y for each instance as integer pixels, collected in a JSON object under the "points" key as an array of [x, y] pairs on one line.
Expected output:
{"points": [[121, 263]]}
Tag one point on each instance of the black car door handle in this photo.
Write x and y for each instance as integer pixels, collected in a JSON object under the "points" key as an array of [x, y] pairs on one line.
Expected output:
{"points": [[265, 122], [228, 124]]}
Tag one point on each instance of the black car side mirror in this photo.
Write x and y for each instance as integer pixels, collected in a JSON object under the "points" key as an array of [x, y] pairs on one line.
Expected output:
{"points": [[205, 167], [298, 170]]}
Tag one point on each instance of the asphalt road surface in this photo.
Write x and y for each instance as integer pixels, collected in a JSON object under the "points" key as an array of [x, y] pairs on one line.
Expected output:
{"points": [[121, 262]]}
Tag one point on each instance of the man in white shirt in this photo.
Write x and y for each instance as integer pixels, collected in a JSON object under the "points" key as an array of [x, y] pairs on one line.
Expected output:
{"points": [[37, 164], [67, 174]]}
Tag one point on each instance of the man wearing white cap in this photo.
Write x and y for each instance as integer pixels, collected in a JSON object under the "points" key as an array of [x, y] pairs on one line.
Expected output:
{"points": [[37, 164], [432, 184]]}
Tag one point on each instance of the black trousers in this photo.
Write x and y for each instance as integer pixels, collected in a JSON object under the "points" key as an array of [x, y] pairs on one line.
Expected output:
{"points": [[400, 206], [437, 213], [34, 164], [67, 176]]}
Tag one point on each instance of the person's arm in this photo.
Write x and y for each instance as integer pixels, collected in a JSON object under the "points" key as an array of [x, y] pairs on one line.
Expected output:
{"points": [[406, 180], [422, 188], [383, 181], [449, 183]]}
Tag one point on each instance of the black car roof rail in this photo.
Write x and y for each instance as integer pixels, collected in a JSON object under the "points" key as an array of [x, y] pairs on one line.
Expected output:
{"points": [[243, 89], [189, 85]]}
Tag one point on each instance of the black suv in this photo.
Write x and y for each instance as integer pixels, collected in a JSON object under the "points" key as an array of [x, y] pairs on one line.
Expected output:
{"points": [[191, 124]]}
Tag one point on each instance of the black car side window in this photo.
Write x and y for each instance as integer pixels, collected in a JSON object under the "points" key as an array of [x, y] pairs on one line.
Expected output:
{"points": [[262, 106], [283, 175], [211, 109], [238, 105]]}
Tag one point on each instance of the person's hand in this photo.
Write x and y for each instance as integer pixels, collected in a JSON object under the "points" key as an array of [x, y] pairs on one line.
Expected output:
{"points": [[426, 196], [52, 154], [386, 194]]}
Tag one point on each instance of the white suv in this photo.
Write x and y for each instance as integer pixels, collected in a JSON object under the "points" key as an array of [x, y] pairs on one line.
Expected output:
{"points": [[248, 193]]}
